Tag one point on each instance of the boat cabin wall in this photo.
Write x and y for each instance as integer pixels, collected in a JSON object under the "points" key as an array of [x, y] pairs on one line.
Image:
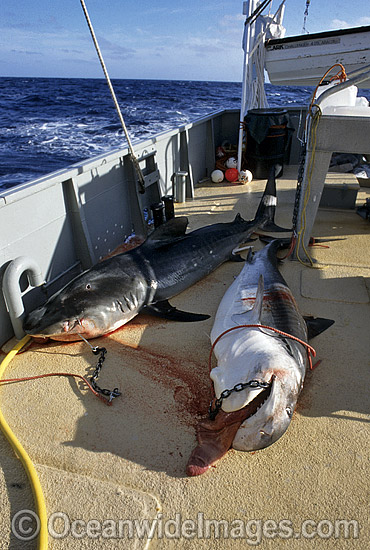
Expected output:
{"points": [[68, 220]]}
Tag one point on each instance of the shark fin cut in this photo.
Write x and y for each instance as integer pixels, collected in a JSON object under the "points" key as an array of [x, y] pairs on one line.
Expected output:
{"points": [[317, 325], [252, 316]]}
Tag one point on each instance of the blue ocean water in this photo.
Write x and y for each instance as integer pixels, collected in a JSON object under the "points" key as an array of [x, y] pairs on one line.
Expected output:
{"points": [[49, 123]]}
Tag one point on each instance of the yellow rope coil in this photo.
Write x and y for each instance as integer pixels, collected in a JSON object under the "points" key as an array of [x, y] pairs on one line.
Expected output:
{"points": [[25, 459]]}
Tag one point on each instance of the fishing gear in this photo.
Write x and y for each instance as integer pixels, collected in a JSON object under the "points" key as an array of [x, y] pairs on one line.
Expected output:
{"points": [[110, 394]]}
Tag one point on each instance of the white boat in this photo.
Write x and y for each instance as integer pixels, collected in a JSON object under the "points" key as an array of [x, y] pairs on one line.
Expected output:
{"points": [[302, 60], [115, 476]]}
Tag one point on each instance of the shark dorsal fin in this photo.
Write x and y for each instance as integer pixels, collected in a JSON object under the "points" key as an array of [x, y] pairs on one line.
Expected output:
{"points": [[252, 316], [170, 231]]}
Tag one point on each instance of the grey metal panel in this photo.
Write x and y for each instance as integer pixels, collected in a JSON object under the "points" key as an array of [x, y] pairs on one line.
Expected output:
{"points": [[197, 152], [343, 134], [226, 127], [36, 224], [102, 199], [168, 160]]}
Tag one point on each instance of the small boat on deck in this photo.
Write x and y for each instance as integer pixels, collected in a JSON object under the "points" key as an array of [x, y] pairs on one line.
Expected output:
{"points": [[302, 60]]}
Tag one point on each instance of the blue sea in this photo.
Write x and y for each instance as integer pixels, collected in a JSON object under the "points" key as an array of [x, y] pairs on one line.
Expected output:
{"points": [[49, 123]]}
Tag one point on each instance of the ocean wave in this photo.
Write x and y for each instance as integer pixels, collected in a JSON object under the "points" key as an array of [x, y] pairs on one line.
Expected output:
{"points": [[47, 124]]}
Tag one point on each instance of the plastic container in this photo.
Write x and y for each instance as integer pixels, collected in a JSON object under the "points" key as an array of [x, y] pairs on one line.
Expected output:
{"points": [[361, 102], [267, 141], [342, 98]]}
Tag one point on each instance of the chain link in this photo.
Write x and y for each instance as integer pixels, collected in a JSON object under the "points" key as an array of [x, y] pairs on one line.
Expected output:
{"points": [[215, 406], [302, 161], [111, 394]]}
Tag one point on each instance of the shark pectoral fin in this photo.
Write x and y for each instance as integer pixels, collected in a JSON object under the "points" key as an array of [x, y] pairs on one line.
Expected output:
{"points": [[252, 316], [164, 309], [316, 325], [235, 257]]}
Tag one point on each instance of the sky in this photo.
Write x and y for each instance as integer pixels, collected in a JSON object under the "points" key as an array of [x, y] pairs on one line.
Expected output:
{"points": [[142, 39]]}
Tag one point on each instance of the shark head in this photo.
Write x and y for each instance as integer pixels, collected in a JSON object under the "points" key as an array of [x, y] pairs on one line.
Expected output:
{"points": [[268, 409], [94, 303], [271, 419]]}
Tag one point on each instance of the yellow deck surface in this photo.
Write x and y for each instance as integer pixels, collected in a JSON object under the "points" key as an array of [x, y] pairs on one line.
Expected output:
{"points": [[127, 462]]}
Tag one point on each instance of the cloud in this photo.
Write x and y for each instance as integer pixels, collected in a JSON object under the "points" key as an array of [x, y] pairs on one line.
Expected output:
{"points": [[25, 52], [340, 24], [113, 47]]}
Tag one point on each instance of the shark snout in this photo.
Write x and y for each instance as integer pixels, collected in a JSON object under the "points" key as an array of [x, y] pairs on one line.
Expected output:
{"points": [[270, 421], [46, 321], [33, 321]]}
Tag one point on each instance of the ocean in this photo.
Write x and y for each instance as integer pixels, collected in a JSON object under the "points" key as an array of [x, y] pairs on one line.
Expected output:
{"points": [[47, 124]]}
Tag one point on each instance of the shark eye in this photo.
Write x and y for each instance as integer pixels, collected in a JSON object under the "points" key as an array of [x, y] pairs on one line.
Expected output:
{"points": [[289, 412], [88, 286]]}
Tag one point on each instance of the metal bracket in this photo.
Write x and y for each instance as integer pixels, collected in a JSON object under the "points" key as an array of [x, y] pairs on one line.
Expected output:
{"points": [[12, 291]]}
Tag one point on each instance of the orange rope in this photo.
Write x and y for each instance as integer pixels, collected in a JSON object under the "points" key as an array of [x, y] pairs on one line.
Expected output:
{"points": [[310, 350], [57, 374], [341, 75], [313, 242], [293, 241]]}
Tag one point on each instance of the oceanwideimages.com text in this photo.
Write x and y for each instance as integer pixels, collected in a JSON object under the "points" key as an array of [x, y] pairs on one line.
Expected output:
{"points": [[26, 526]]}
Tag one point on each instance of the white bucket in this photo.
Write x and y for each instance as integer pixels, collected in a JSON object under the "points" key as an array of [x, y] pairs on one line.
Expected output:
{"points": [[342, 98]]}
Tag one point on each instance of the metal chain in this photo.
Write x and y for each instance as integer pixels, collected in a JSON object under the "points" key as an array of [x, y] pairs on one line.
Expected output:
{"points": [[111, 394], [305, 15], [302, 161], [216, 406], [96, 350]]}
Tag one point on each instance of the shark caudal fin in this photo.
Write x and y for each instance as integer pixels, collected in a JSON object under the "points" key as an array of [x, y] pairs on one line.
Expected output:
{"points": [[267, 206]]}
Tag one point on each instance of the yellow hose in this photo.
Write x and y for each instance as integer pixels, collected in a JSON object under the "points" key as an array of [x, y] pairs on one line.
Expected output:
{"points": [[25, 459]]}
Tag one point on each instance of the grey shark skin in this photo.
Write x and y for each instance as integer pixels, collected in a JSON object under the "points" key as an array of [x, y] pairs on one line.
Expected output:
{"points": [[254, 418], [169, 261]]}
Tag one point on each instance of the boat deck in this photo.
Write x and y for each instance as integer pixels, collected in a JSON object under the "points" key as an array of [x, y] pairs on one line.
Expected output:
{"points": [[127, 461]]}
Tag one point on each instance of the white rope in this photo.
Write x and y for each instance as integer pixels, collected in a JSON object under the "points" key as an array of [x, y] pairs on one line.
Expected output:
{"points": [[253, 89], [134, 159]]}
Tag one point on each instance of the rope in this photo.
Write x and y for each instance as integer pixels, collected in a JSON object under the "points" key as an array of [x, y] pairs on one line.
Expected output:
{"points": [[18, 448], [301, 233], [341, 75], [133, 157], [25, 459], [297, 239], [26, 378], [310, 350]]}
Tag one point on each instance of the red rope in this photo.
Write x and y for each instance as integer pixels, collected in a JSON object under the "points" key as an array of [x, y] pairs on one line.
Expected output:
{"points": [[310, 350], [58, 374]]}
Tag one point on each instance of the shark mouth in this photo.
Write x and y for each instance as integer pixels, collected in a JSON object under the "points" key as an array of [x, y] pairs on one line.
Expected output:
{"points": [[215, 437]]}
